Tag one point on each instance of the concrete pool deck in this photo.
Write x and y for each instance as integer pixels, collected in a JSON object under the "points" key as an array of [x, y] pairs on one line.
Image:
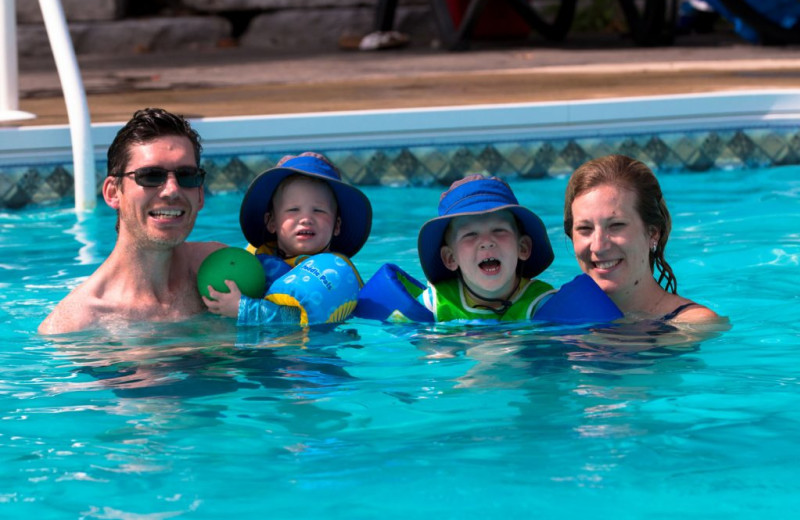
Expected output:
{"points": [[249, 82]]}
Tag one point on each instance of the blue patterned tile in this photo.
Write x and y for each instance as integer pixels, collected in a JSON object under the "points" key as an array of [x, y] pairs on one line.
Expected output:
{"points": [[443, 163], [573, 155]]}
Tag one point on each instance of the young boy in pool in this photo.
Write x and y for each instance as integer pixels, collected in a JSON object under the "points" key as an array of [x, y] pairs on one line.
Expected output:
{"points": [[481, 254], [303, 223]]}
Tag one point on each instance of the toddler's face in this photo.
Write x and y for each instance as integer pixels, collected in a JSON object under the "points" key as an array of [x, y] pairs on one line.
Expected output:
{"points": [[486, 248], [304, 217]]}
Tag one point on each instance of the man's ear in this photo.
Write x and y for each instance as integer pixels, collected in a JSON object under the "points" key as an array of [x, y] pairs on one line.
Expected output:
{"points": [[337, 228], [112, 189], [201, 199], [448, 258], [525, 247], [269, 222]]}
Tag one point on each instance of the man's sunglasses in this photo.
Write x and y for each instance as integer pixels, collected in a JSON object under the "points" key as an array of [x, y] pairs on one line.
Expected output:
{"points": [[155, 176]]}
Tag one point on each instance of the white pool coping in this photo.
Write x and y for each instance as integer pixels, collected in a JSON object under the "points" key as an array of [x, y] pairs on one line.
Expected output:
{"points": [[31, 145]]}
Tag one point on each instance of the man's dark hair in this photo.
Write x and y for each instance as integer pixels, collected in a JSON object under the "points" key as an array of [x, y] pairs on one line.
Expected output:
{"points": [[146, 125]]}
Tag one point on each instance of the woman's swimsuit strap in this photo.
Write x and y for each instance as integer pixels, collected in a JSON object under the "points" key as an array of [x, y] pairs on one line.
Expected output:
{"points": [[677, 311]]}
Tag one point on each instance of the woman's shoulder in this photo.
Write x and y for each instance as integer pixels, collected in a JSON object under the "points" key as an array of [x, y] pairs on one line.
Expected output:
{"points": [[688, 311]]}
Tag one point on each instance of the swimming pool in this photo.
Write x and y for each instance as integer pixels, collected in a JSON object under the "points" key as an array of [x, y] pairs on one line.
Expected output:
{"points": [[199, 420]]}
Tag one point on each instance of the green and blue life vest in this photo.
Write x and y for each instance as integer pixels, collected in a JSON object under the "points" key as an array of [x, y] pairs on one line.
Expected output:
{"points": [[449, 301]]}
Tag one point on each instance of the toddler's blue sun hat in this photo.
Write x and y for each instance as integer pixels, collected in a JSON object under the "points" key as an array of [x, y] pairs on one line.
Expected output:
{"points": [[354, 207], [474, 195]]}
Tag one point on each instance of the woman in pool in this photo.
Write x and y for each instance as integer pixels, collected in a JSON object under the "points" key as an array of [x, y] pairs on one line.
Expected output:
{"points": [[619, 224]]}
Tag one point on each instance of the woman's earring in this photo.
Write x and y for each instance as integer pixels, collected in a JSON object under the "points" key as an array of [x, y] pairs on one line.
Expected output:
{"points": [[653, 246]]}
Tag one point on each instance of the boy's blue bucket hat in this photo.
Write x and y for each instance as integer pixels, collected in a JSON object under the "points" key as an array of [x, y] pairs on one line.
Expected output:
{"points": [[354, 207], [475, 195]]}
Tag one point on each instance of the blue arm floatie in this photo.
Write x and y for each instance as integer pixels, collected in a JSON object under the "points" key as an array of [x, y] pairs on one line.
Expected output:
{"points": [[274, 267], [254, 311], [391, 295], [578, 301], [321, 289]]}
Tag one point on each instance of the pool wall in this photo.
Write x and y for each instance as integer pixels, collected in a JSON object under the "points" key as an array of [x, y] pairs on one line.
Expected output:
{"points": [[684, 133]]}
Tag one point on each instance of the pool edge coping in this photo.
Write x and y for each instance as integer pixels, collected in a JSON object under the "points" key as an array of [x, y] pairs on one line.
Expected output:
{"points": [[416, 126]]}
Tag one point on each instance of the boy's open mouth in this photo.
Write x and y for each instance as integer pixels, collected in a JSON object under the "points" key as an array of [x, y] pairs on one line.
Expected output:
{"points": [[489, 265]]}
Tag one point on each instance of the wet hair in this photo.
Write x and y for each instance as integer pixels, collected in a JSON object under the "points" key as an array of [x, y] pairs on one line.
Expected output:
{"points": [[630, 174], [147, 125]]}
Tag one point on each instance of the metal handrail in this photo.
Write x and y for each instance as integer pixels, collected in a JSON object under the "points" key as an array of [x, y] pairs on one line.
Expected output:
{"points": [[80, 126], [9, 88]]}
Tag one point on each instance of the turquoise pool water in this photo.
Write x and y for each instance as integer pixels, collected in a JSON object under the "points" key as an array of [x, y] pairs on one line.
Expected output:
{"points": [[199, 420]]}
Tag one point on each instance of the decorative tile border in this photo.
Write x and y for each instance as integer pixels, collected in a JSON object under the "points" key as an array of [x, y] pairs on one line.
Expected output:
{"points": [[444, 163], [441, 152]]}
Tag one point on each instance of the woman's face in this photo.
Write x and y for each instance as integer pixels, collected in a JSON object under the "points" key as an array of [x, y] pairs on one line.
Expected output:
{"points": [[611, 242]]}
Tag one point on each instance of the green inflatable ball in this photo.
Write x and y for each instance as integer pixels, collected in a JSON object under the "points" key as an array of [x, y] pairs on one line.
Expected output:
{"points": [[231, 263]]}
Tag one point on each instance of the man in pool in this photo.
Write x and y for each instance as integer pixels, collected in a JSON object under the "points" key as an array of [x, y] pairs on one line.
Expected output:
{"points": [[155, 184]]}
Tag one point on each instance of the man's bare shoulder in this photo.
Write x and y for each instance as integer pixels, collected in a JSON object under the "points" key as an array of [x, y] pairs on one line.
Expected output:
{"points": [[77, 311], [196, 252], [98, 299], [206, 248]]}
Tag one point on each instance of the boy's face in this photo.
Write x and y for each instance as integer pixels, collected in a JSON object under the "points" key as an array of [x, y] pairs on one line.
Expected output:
{"points": [[304, 217], [486, 248]]}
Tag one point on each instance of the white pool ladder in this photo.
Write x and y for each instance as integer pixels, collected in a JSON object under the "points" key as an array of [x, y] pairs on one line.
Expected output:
{"points": [[84, 174]]}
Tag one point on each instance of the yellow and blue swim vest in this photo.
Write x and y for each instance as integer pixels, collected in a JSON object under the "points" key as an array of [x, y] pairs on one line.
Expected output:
{"points": [[322, 288]]}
